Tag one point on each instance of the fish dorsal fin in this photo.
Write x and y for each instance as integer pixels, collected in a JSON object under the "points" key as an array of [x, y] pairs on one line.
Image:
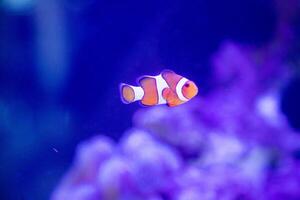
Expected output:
{"points": [[171, 78], [167, 71], [148, 83]]}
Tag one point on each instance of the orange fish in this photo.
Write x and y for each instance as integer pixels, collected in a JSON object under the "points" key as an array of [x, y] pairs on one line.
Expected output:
{"points": [[166, 88]]}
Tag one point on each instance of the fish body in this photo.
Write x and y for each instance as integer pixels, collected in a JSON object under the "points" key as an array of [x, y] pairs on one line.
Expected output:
{"points": [[166, 88]]}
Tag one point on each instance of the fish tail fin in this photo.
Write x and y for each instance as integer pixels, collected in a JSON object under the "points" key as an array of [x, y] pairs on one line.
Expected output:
{"points": [[130, 93], [127, 93]]}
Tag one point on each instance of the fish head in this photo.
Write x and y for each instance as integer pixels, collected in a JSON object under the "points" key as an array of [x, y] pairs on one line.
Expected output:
{"points": [[189, 89]]}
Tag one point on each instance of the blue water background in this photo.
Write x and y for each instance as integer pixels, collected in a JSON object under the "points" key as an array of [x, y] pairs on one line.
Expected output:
{"points": [[61, 63]]}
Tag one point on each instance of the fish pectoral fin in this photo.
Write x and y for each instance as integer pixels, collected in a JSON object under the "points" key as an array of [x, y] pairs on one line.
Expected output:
{"points": [[168, 95], [171, 104], [174, 102]]}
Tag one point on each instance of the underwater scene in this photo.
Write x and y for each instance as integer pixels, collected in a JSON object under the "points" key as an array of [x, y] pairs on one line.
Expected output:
{"points": [[150, 100]]}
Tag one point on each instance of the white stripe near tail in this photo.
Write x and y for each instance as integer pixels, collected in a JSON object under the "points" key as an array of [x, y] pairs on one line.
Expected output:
{"points": [[130, 93]]}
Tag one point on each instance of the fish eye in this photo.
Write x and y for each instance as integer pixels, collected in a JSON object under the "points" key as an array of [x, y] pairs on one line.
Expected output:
{"points": [[187, 85]]}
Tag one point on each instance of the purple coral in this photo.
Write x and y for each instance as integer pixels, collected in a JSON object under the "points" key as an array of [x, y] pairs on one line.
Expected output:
{"points": [[140, 167]]}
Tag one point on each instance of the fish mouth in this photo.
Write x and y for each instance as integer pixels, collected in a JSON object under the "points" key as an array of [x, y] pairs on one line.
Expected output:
{"points": [[196, 91]]}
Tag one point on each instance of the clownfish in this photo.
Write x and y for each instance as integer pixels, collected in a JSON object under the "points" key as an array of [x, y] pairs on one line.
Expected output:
{"points": [[166, 88]]}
